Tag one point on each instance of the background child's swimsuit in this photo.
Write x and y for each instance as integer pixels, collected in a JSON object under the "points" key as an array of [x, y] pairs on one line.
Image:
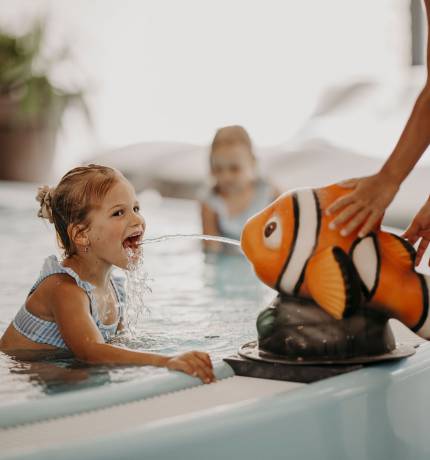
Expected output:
{"points": [[43, 331], [231, 227]]}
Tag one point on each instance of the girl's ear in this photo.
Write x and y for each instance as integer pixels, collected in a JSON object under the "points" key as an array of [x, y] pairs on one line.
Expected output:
{"points": [[78, 235]]}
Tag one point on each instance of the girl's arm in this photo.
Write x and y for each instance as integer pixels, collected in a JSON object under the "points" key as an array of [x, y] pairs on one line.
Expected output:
{"points": [[210, 227], [71, 310]]}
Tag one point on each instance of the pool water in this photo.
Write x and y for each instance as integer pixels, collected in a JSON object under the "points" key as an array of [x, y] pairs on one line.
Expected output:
{"points": [[196, 301]]}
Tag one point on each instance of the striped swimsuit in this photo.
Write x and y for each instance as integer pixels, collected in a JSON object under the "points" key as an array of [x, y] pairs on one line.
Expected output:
{"points": [[42, 331]]}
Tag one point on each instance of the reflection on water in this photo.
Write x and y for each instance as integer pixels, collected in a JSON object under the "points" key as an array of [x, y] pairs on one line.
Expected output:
{"points": [[197, 301]]}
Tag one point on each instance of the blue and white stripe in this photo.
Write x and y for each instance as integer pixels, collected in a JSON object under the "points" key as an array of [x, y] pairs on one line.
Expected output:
{"points": [[47, 332]]}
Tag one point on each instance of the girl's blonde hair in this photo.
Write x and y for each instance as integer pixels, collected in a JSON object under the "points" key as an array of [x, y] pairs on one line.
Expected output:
{"points": [[78, 192], [232, 135]]}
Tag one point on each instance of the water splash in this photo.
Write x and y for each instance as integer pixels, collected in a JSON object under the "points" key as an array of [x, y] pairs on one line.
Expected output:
{"points": [[137, 286], [139, 281], [198, 236]]}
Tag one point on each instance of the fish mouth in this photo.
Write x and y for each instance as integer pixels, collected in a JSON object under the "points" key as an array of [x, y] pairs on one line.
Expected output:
{"points": [[133, 241], [246, 242]]}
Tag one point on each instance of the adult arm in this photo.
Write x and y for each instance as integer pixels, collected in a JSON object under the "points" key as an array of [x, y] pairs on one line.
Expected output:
{"points": [[420, 229], [366, 204]]}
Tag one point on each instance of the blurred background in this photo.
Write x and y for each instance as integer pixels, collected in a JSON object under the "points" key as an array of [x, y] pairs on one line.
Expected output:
{"points": [[323, 87]]}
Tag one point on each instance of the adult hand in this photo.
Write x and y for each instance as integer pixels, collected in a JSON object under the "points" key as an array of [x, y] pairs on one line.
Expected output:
{"points": [[364, 207], [195, 363], [420, 228]]}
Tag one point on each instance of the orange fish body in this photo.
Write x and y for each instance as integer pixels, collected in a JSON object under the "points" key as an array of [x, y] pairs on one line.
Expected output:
{"points": [[293, 250]]}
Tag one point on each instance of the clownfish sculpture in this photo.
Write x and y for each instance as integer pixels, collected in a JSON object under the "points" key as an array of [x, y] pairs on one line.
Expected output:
{"points": [[293, 250]]}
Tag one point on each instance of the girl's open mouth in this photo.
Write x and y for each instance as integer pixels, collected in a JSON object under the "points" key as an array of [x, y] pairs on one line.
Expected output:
{"points": [[132, 241]]}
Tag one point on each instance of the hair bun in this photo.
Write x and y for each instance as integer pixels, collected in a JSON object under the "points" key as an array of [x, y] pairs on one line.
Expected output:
{"points": [[44, 197]]}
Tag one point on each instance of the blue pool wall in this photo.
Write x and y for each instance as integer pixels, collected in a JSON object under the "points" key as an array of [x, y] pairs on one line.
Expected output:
{"points": [[379, 412]]}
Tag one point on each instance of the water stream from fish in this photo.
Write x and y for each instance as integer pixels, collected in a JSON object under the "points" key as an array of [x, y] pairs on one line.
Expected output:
{"points": [[139, 280]]}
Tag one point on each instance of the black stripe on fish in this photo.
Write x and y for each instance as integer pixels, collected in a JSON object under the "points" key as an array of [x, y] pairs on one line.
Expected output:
{"points": [[296, 212], [378, 264], [425, 304], [351, 280], [317, 233]]}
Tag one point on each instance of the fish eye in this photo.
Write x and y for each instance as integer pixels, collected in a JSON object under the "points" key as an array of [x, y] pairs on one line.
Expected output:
{"points": [[273, 233], [270, 228]]}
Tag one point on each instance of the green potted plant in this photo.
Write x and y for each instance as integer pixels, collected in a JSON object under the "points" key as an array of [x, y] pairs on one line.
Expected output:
{"points": [[31, 105]]}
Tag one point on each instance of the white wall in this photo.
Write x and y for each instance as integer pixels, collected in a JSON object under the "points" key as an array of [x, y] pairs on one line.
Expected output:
{"points": [[177, 69]]}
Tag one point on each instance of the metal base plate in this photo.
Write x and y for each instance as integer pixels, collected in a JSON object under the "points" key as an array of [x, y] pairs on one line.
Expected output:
{"points": [[250, 350]]}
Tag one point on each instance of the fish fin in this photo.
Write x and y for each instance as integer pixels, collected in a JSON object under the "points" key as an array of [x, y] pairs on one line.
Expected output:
{"points": [[398, 250], [399, 292], [333, 282]]}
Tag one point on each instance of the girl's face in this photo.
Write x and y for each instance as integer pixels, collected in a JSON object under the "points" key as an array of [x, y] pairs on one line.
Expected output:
{"points": [[116, 226], [233, 168]]}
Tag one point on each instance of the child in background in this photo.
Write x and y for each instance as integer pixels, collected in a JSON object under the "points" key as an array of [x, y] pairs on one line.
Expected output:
{"points": [[238, 193], [77, 304]]}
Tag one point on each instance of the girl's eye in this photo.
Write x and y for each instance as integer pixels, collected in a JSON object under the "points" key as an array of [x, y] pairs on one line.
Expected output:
{"points": [[120, 212], [136, 209]]}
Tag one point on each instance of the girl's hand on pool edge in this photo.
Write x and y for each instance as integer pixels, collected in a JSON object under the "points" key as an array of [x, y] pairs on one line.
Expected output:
{"points": [[194, 363], [365, 206]]}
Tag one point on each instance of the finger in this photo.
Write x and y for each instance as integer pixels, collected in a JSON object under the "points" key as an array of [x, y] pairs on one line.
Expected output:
{"points": [[421, 250], [339, 204], [207, 369], [412, 233], [345, 215], [205, 357], [187, 367], [204, 361], [422, 247], [355, 222], [371, 221], [203, 371], [411, 238]]}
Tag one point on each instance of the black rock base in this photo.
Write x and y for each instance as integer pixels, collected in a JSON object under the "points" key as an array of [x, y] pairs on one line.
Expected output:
{"points": [[297, 328]]}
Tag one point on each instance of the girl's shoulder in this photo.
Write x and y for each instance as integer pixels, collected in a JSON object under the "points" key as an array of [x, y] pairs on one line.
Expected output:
{"points": [[52, 266], [55, 294], [64, 290]]}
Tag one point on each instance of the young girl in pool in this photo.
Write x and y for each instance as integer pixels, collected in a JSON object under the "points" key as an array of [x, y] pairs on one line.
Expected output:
{"points": [[237, 193], [77, 303]]}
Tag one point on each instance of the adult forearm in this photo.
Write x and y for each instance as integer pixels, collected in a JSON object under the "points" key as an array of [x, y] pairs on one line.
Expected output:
{"points": [[413, 142]]}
